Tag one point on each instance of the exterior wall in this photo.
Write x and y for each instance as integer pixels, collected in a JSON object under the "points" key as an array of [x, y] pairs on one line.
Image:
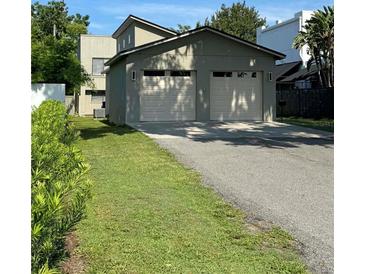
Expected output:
{"points": [[145, 34], [90, 47], [197, 52], [130, 31], [117, 94], [107, 93], [280, 38], [139, 34], [42, 92]]}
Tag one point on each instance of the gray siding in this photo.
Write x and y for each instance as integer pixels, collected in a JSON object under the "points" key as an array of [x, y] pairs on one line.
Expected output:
{"points": [[117, 93], [203, 52], [130, 31], [145, 34]]}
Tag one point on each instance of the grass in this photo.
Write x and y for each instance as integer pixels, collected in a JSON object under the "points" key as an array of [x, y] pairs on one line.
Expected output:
{"points": [[150, 214], [321, 124]]}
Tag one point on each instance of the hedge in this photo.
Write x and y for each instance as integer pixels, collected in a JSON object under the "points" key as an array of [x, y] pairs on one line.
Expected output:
{"points": [[59, 186]]}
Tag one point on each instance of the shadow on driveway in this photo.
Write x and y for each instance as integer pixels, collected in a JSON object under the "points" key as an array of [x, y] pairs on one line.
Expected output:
{"points": [[268, 135]]}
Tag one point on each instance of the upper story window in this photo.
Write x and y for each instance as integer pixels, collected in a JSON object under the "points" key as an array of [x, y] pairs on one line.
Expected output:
{"points": [[98, 65], [123, 43], [129, 38]]}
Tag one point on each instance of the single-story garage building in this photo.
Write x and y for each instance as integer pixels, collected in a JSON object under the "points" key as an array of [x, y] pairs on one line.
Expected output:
{"points": [[200, 75]]}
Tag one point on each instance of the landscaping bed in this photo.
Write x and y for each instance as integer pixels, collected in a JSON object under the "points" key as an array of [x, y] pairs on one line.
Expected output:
{"points": [[150, 214], [321, 124]]}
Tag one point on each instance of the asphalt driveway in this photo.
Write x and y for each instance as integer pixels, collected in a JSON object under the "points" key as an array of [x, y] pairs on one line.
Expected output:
{"points": [[276, 172]]}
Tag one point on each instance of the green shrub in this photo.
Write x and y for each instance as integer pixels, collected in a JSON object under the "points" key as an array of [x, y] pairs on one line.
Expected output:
{"points": [[59, 185]]}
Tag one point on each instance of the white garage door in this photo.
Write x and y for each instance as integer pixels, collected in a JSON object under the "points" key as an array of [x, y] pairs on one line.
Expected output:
{"points": [[167, 96], [236, 95]]}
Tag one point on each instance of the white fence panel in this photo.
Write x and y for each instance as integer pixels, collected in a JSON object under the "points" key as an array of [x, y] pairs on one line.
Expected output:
{"points": [[42, 92]]}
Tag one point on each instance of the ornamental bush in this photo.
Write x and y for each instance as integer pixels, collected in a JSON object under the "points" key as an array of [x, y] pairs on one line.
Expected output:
{"points": [[59, 186]]}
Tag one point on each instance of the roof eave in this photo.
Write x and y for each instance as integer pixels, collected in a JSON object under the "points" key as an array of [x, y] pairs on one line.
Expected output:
{"points": [[132, 18], [277, 55]]}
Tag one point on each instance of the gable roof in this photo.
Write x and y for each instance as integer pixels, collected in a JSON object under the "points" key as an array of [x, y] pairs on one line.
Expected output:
{"points": [[281, 70], [301, 74], [131, 18], [276, 54]]}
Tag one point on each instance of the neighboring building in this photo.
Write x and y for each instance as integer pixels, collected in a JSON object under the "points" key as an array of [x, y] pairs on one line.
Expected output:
{"points": [[292, 71], [280, 37], [200, 75], [94, 51]]}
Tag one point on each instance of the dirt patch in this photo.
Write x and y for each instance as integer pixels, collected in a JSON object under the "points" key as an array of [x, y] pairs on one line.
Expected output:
{"points": [[256, 225], [75, 263]]}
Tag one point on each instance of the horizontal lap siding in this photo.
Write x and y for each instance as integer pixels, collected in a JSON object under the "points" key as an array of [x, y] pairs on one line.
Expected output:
{"points": [[234, 98], [166, 98]]}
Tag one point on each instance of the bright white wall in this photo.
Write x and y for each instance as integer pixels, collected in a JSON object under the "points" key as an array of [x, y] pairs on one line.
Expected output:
{"points": [[42, 92], [280, 37]]}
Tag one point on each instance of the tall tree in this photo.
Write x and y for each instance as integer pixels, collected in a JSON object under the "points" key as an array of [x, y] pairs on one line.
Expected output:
{"points": [[239, 20], [181, 28], [318, 34], [55, 36]]}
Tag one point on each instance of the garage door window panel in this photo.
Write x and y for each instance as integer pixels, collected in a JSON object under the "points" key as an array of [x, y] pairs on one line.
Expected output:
{"points": [[153, 73], [180, 73], [222, 74]]}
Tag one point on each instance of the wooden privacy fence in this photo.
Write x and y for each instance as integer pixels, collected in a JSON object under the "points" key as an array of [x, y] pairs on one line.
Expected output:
{"points": [[307, 103]]}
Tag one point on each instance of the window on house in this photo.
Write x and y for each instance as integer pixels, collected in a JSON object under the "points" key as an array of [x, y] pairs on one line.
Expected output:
{"points": [[123, 43], [134, 75], [154, 73], [180, 73], [129, 38], [95, 93], [98, 65], [222, 74]]}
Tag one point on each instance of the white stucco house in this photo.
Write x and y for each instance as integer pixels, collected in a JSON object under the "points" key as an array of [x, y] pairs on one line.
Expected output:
{"points": [[281, 35]]}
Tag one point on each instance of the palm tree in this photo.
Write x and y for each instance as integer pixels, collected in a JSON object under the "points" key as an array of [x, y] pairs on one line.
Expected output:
{"points": [[318, 34]]}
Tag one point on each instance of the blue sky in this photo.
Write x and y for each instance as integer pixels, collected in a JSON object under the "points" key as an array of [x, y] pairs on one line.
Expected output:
{"points": [[107, 15]]}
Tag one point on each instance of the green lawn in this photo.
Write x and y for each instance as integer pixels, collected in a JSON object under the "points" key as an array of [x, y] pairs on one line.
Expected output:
{"points": [[322, 124], [150, 214]]}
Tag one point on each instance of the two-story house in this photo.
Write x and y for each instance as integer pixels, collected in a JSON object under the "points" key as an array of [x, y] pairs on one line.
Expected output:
{"points": [[199, 75], [281, 35], [93, 52], [292, 70]]}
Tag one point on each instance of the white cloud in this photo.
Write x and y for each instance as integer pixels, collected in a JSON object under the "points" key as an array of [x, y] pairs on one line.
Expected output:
{"points": [[120, 17], [276, 13], [97, 26]]}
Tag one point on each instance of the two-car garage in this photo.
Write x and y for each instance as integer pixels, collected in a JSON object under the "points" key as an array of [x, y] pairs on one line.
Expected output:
{"points": [[200, 75], [170, 95]]}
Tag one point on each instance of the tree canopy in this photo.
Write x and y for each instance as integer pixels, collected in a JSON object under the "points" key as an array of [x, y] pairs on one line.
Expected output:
{"points": [[181, 28], [55, 36], [318, 34], [239, 20]]}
